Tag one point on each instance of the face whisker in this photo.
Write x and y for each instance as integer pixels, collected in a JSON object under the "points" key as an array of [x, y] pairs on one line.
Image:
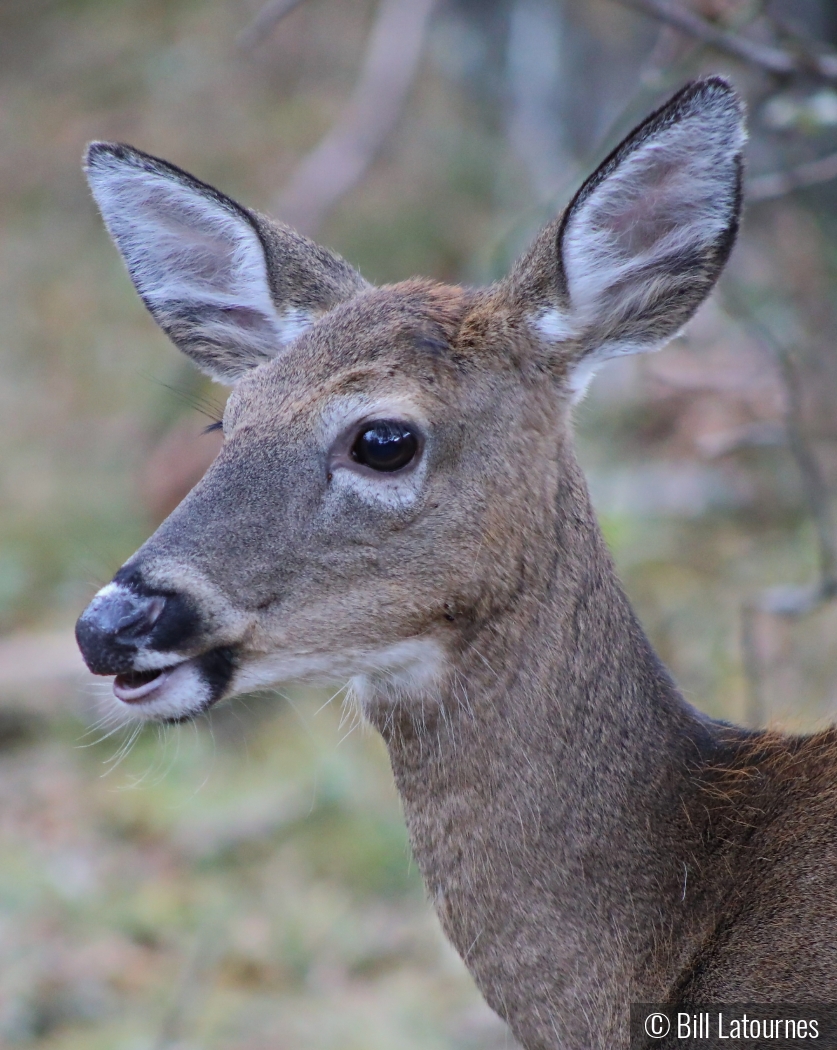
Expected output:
{"points": [[123, 752], [346, 735], [332, 697], [105, 736], [110, 722]]}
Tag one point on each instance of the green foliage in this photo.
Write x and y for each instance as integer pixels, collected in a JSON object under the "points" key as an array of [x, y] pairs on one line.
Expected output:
{"points": [[226, 882]]}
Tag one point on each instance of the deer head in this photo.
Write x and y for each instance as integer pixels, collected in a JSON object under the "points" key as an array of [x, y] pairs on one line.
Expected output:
{"points": [[392, 454]]}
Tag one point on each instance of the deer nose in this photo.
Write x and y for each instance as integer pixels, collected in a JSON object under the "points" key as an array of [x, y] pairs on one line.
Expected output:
{"points": [[114, 626]]}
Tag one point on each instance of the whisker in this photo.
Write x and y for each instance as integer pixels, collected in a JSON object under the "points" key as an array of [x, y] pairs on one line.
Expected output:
{"points": [[207, 406], [123, 752], [332, 697]]}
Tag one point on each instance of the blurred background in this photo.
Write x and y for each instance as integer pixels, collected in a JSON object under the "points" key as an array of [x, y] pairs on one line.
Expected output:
{"points": [[245, 882]]}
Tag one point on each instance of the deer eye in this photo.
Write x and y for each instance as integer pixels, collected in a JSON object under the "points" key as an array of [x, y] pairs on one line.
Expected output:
{"points": [[386, 445]]}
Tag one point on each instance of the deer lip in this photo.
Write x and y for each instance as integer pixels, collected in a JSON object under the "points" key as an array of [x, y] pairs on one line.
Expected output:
{"points": [[138, 685]]}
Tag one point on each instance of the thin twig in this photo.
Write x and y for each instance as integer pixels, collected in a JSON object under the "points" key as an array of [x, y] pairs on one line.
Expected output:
{"points": [[798, 601], [788, 602], [780, 183], [265, 21], [341, 158], [776, 60], [761, 434], [761, 187], [813, 481]]}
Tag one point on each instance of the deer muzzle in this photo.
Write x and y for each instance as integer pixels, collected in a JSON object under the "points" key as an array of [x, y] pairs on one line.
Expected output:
{"points": [[115, 626], [147, 641]]}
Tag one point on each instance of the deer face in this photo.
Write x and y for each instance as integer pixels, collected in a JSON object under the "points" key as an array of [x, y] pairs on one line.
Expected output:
{"points": [[311, 547], [391, 455]]}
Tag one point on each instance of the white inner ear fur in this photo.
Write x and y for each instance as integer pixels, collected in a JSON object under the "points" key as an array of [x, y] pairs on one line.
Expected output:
{"points": [[186, 249], [556, 326], [673, 195]]}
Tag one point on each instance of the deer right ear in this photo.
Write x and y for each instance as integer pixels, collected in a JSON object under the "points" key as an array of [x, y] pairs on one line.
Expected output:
{"points": [[645, 238], [229, 288]]}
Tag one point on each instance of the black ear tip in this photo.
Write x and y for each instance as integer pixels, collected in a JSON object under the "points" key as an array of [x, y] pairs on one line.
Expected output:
{"points": [[103, 154], [715, 91], [713, 104], [713, 85]]}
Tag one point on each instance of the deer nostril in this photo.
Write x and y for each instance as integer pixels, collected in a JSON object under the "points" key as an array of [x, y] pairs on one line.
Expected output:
{"points": [[122, 623], [143, 618], [123, 614], [114, 626]]}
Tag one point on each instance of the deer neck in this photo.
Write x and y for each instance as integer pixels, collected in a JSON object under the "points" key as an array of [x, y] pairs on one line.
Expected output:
{"points": [[548, 797]]}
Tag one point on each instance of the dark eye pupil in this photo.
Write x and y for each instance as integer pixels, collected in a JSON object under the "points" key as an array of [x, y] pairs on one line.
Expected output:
{"points": [[385, 445]]}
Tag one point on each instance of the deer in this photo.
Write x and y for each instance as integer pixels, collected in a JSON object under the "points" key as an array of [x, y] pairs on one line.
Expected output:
{"points": [[397, 506]]}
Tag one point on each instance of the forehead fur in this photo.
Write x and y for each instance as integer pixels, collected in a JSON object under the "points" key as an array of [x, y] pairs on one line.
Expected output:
{"points": [[420, 313], [432, 339], [407, 329]]}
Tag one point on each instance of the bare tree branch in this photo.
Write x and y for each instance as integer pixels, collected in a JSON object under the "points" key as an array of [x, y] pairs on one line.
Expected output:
{"points": [[763, 434], [800, 58], [797, 601], [342, 157], [270, 15], [777, 184], [813, 481], [775, 60], [791, 602]]}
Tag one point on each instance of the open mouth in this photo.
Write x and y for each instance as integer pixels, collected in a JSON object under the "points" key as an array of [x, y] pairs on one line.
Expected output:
{"points": [[138, 685], [183, 689]]}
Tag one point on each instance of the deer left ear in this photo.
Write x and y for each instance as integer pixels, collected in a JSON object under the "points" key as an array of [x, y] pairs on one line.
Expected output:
{"points": [[645, 238], [230, 288]]}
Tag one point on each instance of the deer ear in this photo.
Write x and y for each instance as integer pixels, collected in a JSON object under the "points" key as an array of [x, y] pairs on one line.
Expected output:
{"points": [[230, 288], [645, 238]]}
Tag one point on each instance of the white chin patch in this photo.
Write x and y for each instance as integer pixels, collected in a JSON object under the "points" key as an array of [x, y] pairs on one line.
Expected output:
{"points": [[408, 671], [177, 692], [404, 670]]}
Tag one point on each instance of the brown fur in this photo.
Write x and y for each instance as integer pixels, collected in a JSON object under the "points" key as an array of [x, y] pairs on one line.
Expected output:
{"points": [[588, 839]]}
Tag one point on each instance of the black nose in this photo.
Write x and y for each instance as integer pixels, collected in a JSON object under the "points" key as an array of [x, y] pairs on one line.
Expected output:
{"points": [[114, 626]]}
